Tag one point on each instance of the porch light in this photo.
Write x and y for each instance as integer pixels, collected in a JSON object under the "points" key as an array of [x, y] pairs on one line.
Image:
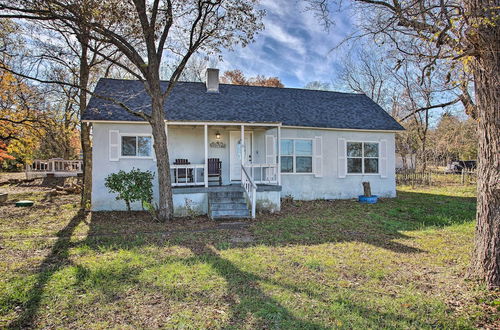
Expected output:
{"points": [[217, 136]]}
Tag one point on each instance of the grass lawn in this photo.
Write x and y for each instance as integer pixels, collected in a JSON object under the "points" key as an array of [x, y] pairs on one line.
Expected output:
{"points": [[326, 264]]}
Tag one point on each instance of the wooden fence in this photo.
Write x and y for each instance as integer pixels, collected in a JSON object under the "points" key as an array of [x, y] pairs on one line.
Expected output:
{"points": [[428, 178]]}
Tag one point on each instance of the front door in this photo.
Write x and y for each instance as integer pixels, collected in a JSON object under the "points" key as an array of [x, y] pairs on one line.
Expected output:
{"points": [[235, 153]]}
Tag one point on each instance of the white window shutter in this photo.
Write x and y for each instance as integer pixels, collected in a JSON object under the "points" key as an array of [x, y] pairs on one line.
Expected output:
{"points": [[341, 156], [383, 159], [270, 149], [318, 156], [114, 145]]}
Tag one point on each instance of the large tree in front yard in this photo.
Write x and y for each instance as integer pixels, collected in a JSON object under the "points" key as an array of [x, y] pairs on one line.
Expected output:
{"points": [[483, 38], [464, 36], [148, 31]]}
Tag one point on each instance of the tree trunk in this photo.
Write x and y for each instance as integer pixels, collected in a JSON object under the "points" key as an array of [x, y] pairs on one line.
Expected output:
{"points": [[165, 204], [486, 69], [87, 166], [423, 156], [367, 189], [85, 202]]}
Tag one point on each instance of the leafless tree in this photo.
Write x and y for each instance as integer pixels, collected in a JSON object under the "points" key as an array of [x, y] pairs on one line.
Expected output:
{"points": [[464, 36], [155, 28], [64, 57], [318, 85], [195, 69], [368, 74], [398, 88]]}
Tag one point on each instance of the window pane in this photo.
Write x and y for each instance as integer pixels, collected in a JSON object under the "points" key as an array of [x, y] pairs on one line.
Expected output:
{"points": [[371, 149], [304, 164], [354, 149], [353, 165], [144, 146], [371, 165], [287, 147], [286, 164], [128, 146], [303, 147]]}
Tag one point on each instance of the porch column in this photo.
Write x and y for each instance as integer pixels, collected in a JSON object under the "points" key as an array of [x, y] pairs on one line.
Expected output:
{"points": [[242, 145], [205, 170], [278, 170], [166, 135]]}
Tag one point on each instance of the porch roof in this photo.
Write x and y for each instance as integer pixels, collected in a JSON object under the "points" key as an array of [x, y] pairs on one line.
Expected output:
{"points": [[189, 101]]}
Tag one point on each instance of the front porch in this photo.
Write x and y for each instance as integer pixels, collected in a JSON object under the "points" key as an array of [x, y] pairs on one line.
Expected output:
{"points": [[217, 158], [193, 146]]}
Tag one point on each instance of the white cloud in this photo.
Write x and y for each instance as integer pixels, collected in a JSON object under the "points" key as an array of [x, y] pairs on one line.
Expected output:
{"points": [[293, 46], [277, 32]]}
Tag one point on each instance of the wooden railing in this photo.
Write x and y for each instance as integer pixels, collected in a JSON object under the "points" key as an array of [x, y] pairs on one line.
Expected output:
{"points": [[188, 175], [250, 188], [264, 173], [53, 166]]}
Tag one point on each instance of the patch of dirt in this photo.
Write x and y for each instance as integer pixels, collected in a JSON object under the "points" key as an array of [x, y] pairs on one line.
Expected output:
{"points": [[35, 185], [6, 176], [242, 239]]}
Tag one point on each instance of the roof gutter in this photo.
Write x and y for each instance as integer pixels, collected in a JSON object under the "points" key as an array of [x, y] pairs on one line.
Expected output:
{"points": [[228, 123], [345, 129], [271, 124]]}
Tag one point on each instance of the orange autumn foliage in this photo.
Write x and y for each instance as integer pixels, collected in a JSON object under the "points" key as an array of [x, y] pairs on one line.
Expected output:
{"points": [[3, 152], [19, 117], [236, 77]]}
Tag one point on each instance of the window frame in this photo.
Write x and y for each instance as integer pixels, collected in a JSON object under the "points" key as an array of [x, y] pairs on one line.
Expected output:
{"points": [[136, 135], [294, 155], [363, 157]]}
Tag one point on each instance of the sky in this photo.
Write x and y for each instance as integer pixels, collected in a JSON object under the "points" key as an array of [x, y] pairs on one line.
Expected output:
{"points": [[293, 46]]}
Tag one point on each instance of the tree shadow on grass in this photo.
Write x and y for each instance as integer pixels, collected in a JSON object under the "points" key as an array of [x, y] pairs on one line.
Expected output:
{"points": [[57, 258], [246, 298]]}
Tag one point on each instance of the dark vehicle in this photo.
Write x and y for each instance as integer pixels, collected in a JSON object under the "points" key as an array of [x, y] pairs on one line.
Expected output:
{"points": [[458, 166]]}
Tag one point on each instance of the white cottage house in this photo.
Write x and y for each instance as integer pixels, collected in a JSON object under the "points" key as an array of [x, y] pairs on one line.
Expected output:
{"points": [[235, 150]]}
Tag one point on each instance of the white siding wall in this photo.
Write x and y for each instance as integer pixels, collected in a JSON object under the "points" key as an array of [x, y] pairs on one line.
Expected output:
{"points": [[102, 166], [188, 142], [330, 186]]}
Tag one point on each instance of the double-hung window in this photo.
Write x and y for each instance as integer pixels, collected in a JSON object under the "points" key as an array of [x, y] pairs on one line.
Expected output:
{"points": [[136, 146], [362, 157], [296, 155]]}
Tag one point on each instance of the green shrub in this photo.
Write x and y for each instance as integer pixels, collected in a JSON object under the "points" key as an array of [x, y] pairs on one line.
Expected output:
{"points": [[132, 186]]}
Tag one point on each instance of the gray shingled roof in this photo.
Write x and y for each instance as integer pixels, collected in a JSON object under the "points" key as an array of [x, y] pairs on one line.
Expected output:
{"points": [[189, 101]]}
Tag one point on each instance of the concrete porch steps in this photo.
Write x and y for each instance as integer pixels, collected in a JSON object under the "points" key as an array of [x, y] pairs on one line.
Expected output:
{"points": [[227, 205]]}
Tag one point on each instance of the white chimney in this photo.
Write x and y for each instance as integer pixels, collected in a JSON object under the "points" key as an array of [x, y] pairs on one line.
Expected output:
{"points": [[212, 80]]}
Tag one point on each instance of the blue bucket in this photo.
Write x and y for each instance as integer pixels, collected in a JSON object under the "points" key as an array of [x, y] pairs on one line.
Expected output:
{"points": [[368, 200]]}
